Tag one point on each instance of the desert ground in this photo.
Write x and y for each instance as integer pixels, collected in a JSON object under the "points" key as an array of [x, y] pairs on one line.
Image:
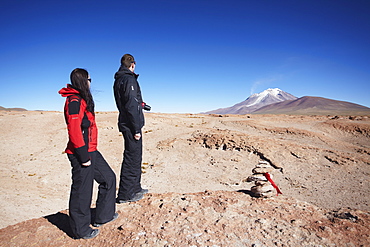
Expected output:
{"points": [[195, 167]]}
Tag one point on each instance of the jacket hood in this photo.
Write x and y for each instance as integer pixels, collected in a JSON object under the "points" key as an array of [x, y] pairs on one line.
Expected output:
{"points": [[123, 71], [67, 91]]}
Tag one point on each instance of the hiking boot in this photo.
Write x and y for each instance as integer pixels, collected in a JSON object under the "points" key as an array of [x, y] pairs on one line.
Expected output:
{"points": [[143, 191], [136, 197], [92, 234], [115, 216]]}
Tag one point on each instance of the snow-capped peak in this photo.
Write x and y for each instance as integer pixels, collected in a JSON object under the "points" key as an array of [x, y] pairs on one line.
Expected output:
{"points": [[256, 101], [271, 91], [258, 97]]}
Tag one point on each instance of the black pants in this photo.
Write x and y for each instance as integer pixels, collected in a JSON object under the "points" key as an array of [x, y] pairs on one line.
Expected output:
{"points": [[81, 193], [130, 178]]}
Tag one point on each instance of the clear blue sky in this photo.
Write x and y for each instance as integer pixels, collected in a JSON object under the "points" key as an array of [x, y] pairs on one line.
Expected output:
{"points": [[192, 56]]}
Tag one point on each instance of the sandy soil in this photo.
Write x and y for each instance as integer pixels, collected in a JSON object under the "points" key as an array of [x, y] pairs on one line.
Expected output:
{"points": [[320, 160]]}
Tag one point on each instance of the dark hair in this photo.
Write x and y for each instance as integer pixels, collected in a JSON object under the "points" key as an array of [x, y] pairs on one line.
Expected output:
{"points": [[79, 82], [126, 60]]}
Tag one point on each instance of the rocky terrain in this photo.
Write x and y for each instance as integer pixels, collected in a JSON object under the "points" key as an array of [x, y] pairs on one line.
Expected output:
{"points": [[195, 167]]}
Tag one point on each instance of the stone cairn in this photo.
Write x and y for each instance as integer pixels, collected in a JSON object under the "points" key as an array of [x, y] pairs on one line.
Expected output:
{"points": [[264, 185]]}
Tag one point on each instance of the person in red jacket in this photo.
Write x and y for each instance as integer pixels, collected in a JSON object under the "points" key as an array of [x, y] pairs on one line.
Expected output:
{"points": [[87, 162]]}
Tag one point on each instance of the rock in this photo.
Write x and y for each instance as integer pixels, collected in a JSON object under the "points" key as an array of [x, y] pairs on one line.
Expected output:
{"points": [[261, 175], [262, 188], [261, 183], [263, 164], [266, 194], [261, 170], [256, 177]]}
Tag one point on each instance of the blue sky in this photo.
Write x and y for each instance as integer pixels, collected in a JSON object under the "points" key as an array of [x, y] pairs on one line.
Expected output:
{"points": [[192, 56]]}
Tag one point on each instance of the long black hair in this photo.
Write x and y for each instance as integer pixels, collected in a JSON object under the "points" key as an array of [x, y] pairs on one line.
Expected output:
{"points": [[79, 80]]}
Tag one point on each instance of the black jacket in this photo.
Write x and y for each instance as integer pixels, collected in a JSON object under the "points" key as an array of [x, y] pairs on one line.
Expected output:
{"points": [[129, 101]]}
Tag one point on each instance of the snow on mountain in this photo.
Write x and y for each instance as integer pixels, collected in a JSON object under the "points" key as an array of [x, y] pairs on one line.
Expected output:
{"points": [[256, 101], [272, 95]]}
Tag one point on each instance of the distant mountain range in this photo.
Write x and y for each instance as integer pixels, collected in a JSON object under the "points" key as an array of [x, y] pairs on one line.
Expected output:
{"points": [[276, 101], [11, 109]]}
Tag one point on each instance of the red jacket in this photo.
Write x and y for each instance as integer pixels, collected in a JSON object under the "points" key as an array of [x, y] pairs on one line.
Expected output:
{"points": [[82, 130]]}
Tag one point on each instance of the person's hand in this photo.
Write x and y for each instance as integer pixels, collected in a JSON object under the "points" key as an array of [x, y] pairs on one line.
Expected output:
{"points": [[87, 163], [137, 136]]}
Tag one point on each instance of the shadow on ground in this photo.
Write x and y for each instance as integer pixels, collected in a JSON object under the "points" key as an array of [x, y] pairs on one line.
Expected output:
{"points": [[61, 220]]}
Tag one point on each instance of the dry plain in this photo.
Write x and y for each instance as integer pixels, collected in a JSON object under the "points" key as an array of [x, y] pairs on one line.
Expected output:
{"points": [[321, 163]]}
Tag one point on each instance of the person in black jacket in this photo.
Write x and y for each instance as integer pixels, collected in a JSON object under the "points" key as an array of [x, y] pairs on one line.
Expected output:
{"points": [[130, 104]]}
